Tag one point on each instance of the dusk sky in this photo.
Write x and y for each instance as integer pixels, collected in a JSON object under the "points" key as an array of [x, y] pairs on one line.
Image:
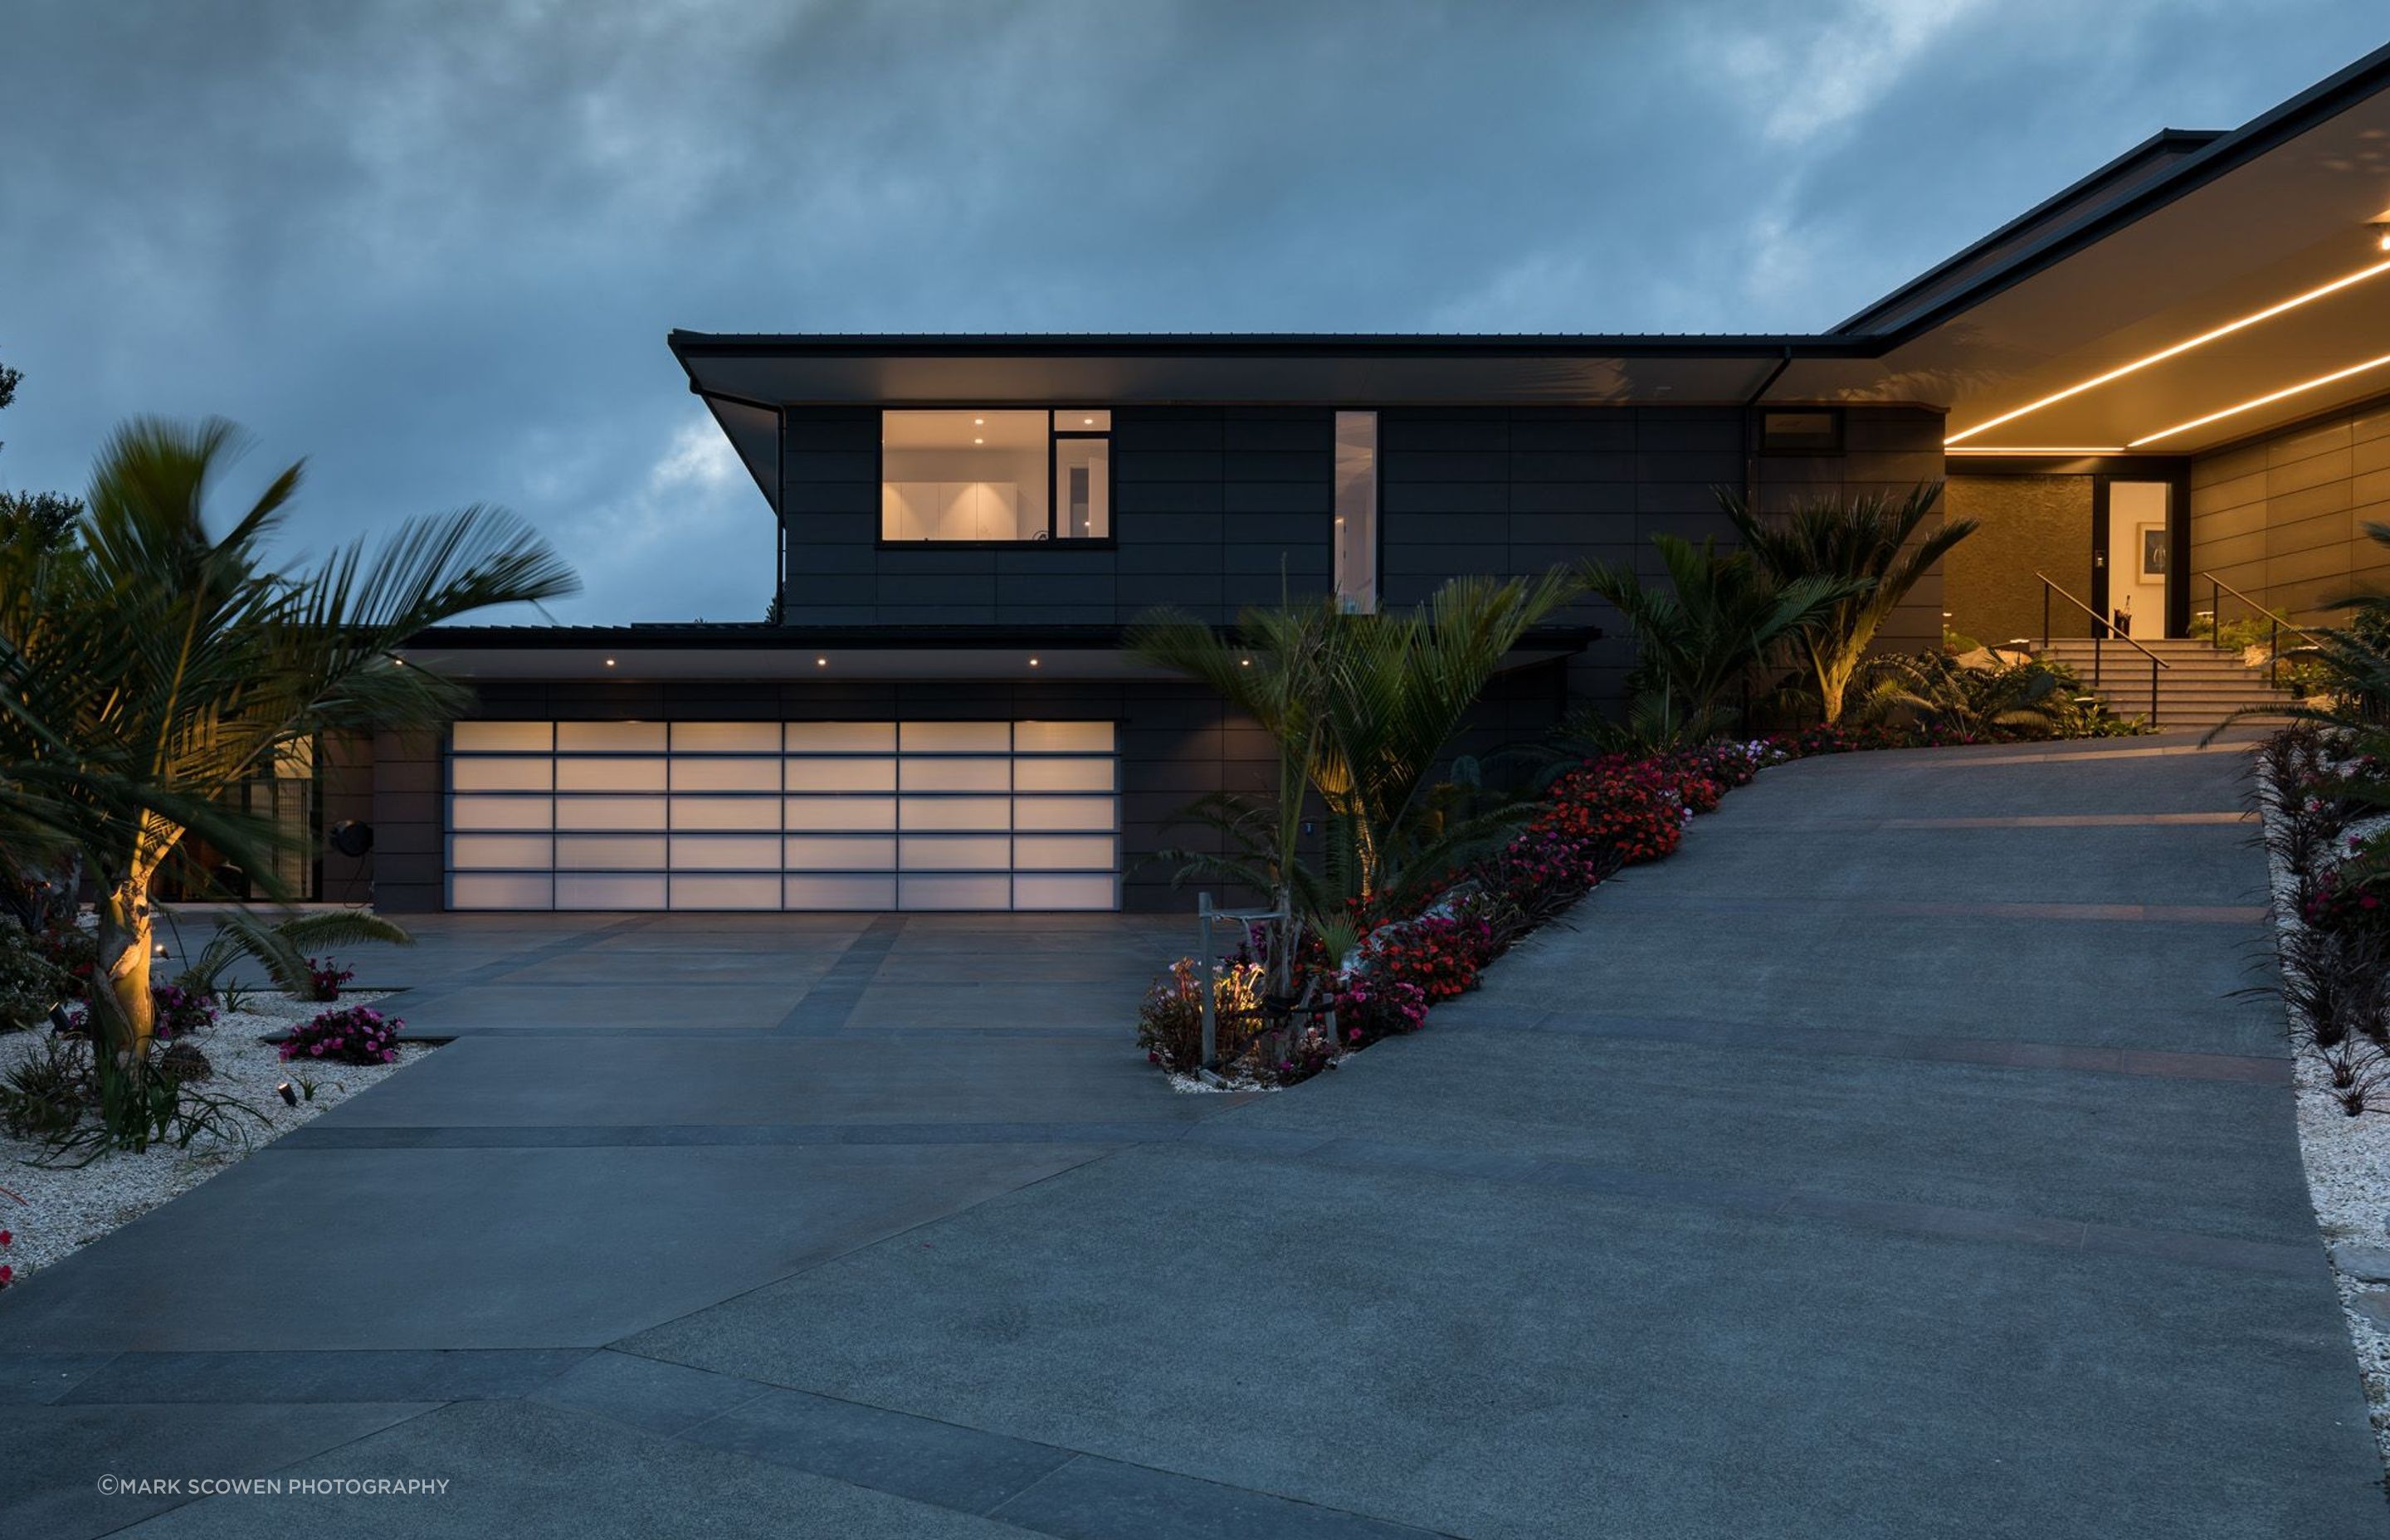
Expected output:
{"points": [[435, 249]]}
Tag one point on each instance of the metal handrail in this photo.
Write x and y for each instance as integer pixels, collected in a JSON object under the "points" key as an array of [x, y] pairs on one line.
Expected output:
{"points": [[2099, 626], [2216, 587]]}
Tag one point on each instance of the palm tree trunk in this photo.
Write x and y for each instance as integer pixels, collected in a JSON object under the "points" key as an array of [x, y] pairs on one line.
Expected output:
{"points": [[120, 1005]]}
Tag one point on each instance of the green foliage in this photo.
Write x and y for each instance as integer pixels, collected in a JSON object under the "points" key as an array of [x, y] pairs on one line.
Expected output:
{"points": [[30, 982], [1868, 546], [2010, 698], [282, 947], [1360, 707], [43, 1095], [1719, 615]]}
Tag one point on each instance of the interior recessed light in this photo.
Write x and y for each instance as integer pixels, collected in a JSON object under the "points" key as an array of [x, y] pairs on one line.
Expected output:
{"points": [[821, 662], [609, 662], [1032, 662], [979, 440], [979, 422], [2385, 244], [2227, 330]]}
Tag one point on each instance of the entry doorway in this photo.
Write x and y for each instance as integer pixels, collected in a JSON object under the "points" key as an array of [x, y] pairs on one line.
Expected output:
{"points": [[2139, 541]]}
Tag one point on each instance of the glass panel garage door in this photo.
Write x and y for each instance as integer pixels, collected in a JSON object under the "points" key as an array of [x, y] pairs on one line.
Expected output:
{"points": [[783, 816]]}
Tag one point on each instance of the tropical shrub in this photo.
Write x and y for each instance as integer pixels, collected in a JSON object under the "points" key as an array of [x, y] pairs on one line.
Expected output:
{"points": [[1718, 616], [30, 982], [357, 1036], [1869, 547], [151, 663], [281, 948], [73, 951], [182, 1011], [1170, 1021], [324, 978], [1636, 814], [1368, 1007], [43, 1093]]}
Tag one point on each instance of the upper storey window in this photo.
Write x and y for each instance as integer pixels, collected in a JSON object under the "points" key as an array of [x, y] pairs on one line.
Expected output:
{"points": [[989, 477]]}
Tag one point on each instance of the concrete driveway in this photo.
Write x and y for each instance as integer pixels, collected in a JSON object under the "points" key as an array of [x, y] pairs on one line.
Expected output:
{"points": [[1895, 1162]]}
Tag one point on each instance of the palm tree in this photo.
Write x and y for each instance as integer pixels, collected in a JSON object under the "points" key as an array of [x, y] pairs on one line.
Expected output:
{"points": [[1277, 674], [1867, 542], [1719, 614], [151, 666], [1361, 707]]}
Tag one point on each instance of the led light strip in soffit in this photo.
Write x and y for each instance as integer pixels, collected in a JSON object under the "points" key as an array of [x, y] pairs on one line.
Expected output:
{"points": [[2039, 449], [2179, 348], [2266, 400]]}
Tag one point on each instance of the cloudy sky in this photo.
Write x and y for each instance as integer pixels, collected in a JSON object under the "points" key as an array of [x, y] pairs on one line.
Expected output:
{"points": [[435, 249]]}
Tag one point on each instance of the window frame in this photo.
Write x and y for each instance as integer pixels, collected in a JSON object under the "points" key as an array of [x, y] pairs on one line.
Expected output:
{"points": [[1053, 541]]}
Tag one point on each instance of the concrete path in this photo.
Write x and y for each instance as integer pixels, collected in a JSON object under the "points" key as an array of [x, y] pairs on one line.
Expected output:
{"points": [[1895, 1162]]}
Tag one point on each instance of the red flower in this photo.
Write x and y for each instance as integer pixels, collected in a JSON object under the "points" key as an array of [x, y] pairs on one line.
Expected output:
{"points": [[7, 1273], [5, 1237]]}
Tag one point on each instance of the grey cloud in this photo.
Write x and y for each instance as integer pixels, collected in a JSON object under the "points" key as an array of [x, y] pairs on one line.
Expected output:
{"points": [[437, 248]]}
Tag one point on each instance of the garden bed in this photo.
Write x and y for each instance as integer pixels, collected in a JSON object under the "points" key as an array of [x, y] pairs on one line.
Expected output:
{"points": [[66, 1207], [2346, 1153]]}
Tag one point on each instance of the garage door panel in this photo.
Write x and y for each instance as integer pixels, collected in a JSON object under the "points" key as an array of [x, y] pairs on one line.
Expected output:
{"points": [[840, 852], [607, 774], [726, 852], [839, 892], [963, 814], [726, 774], [830, 814], [611, 813], [588, 853], [743, 815], [955, 892], [501, 811], [955, 775], [611, 891], [725, 813], [1047, 890], [501, 891]]}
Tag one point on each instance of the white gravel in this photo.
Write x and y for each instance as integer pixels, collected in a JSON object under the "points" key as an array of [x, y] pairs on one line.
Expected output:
{"points": [[2348, 1163], [65, 1209]]}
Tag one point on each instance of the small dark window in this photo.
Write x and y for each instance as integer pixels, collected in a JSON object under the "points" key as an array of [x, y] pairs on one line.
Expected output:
{"points": [[1811, 430]]}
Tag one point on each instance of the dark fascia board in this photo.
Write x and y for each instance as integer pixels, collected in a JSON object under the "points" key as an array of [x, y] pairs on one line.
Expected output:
{"points": [[701, 636], [687, 345], [2224, 153]]}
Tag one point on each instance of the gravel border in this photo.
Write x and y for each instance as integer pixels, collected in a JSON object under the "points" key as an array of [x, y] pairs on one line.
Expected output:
{"points": [[2348, 1162], [67, 1208]]}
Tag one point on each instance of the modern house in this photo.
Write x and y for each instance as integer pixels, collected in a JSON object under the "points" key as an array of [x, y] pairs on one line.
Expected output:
{"points": [[2166, 392]]}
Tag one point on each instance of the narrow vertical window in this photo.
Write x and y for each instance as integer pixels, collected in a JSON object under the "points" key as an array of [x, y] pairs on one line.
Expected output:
{"points": [[1357, 511]]}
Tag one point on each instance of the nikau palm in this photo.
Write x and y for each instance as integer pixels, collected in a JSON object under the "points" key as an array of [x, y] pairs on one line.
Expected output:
{"points": [[1869, 544], [152, 666], [1719, 614], [1360, 707]]}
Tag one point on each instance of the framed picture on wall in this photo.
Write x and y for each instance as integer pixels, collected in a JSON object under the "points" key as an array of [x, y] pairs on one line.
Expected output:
{"points": [[2153, 549]]}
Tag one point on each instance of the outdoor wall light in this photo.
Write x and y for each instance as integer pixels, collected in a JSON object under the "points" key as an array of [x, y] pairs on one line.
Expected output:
{"points": [[2266, 400], [2227, 330]]}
